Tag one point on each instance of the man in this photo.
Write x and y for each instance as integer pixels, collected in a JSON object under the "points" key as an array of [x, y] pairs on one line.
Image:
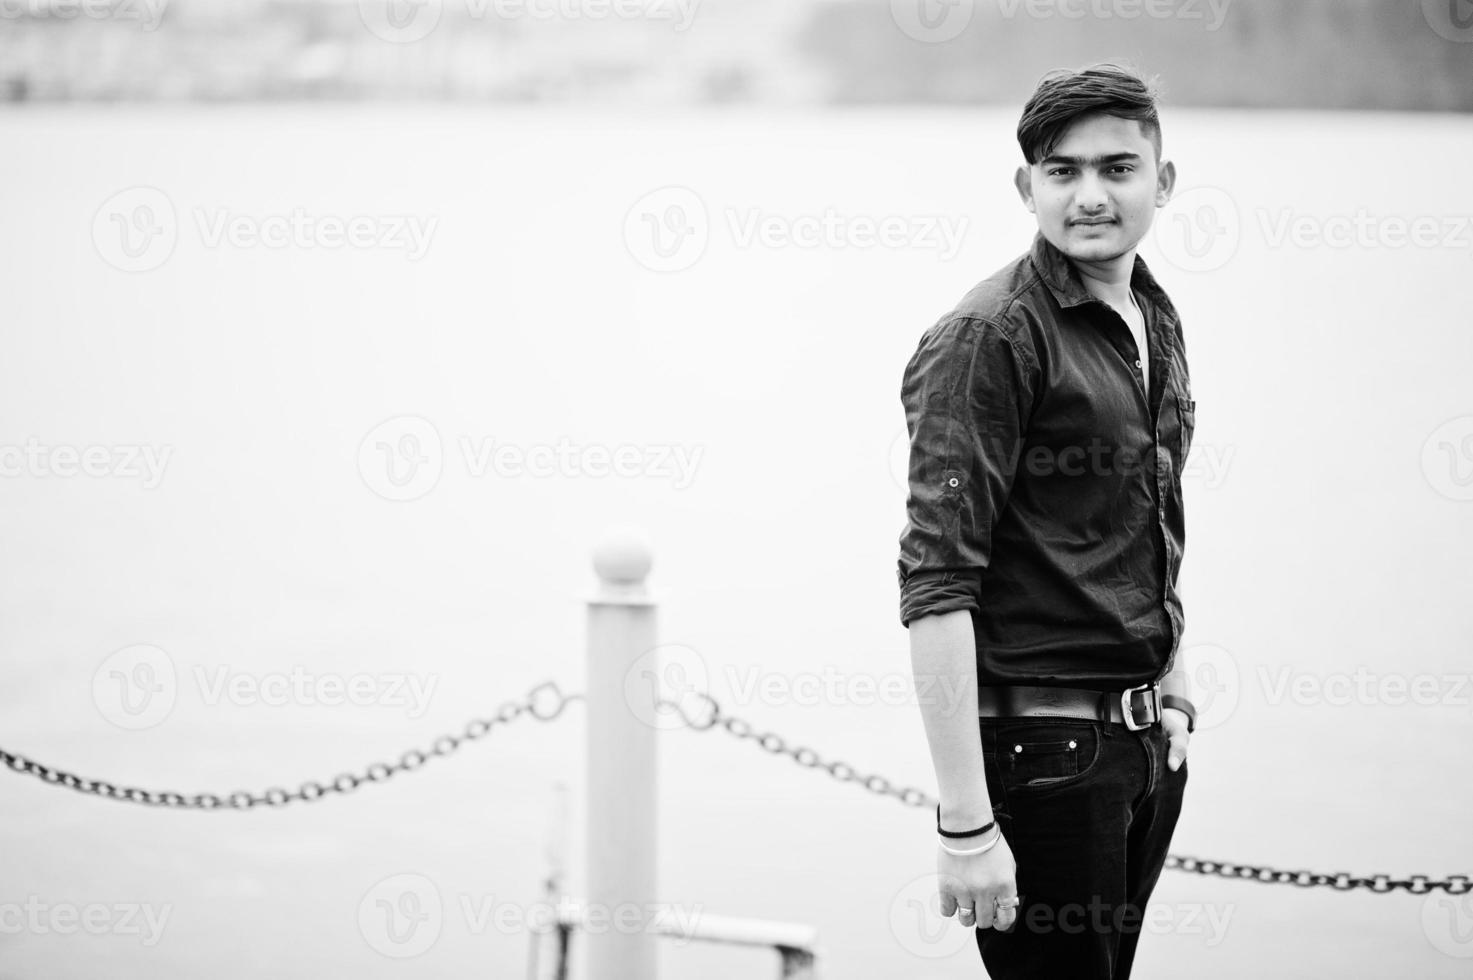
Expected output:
{"points": [[1049, 415]]}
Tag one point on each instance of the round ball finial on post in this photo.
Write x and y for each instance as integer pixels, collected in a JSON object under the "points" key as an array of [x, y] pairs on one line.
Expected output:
{"points": [[622, 559]]}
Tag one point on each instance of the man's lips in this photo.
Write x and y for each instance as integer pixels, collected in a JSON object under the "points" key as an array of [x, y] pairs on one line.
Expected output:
{"points": [[1093, 221]]}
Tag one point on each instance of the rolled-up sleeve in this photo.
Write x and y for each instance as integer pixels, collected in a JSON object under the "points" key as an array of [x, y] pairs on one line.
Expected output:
{"points": [[966, 393]]}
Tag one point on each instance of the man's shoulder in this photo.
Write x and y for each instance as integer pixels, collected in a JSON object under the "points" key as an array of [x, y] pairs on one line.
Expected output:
{"points": [[997, 298], [1002, 306]]}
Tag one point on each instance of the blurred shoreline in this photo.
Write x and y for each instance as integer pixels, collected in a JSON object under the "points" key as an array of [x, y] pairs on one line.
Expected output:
{"points": [[1313, 54]]}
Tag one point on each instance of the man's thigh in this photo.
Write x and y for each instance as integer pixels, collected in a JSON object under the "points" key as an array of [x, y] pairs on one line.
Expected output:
{"points": [[1064, 790]]}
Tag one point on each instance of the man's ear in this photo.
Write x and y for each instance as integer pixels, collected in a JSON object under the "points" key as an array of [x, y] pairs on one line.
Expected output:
{"points": [[1165, 182], [1023, 181]]}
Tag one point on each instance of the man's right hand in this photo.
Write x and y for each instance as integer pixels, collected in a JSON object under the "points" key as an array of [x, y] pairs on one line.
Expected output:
{"points": [[977, 882]]}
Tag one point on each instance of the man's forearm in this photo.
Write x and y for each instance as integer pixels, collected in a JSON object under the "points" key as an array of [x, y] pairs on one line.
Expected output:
{"points": [[943, 654]]}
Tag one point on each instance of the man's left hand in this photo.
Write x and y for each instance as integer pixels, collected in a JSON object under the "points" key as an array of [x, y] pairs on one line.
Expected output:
{"points": [[1174, 721]]}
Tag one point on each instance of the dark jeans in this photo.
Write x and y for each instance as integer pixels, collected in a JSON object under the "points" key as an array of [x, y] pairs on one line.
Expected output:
{"points": [[1088, 809]]}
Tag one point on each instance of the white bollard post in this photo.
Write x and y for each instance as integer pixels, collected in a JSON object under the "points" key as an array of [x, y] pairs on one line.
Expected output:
{"points": [[621, 761]]}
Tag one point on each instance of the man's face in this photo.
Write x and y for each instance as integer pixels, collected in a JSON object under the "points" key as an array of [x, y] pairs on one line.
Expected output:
{"points": [[1097, 191]]}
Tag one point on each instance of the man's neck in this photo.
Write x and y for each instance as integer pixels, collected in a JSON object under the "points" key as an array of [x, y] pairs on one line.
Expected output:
{"points": [[1109, 280]]}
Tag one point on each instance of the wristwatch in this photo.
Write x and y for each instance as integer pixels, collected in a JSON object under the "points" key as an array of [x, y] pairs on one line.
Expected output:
{"points": [[1184, 706]]}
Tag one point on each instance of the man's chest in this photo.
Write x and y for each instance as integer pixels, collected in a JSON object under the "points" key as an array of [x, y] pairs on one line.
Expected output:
{"points": [[1107, 380]]}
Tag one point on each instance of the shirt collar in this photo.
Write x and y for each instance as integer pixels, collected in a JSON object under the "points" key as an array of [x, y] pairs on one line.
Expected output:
{"points": [[1062, 279]]}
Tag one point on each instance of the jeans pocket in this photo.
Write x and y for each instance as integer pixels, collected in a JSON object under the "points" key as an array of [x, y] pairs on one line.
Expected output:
{"points": [[1044, 755]]}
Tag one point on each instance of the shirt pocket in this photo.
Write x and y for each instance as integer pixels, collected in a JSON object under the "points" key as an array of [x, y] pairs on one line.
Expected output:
{"points": [[1186, 411]]}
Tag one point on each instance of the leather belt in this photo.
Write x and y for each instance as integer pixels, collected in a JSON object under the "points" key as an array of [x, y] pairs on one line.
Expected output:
{"points": [[1135, 708]]}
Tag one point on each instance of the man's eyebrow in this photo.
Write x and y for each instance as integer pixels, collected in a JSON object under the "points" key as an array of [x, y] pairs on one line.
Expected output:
{"points": [[1108, 158]]}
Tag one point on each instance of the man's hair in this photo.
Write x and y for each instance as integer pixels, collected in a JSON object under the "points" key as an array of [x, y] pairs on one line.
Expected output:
{"points": [[1064, 96]]}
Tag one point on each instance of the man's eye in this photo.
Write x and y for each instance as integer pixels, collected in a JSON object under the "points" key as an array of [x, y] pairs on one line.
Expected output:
{"points": [[1120, 169], [1061, 171]]}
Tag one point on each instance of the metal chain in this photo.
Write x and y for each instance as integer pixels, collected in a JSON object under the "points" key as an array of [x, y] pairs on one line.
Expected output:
{"points": [[536, 704], [1340, 881], [543, 702], [711, 715]]}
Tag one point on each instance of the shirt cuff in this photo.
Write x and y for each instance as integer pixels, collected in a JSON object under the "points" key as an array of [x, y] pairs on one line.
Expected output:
{"points": [[935, 592]]}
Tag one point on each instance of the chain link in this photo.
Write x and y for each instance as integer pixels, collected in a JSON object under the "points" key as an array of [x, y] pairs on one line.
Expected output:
{"points": [[710, 715], [544, 702]]}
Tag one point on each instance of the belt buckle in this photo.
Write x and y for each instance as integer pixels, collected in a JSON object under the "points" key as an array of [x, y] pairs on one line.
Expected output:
{"points": [[1127, 704]]}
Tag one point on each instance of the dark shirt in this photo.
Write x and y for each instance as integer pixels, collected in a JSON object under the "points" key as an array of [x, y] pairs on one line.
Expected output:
{"points": [[1045, 485]]}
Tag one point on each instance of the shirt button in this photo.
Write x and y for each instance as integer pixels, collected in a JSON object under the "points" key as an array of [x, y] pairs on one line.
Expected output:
{"points": [[953, 482], [1137, 363]]}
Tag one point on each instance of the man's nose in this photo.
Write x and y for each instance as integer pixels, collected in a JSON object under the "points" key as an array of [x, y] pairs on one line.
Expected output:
{"points": [[1089, 194]]}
